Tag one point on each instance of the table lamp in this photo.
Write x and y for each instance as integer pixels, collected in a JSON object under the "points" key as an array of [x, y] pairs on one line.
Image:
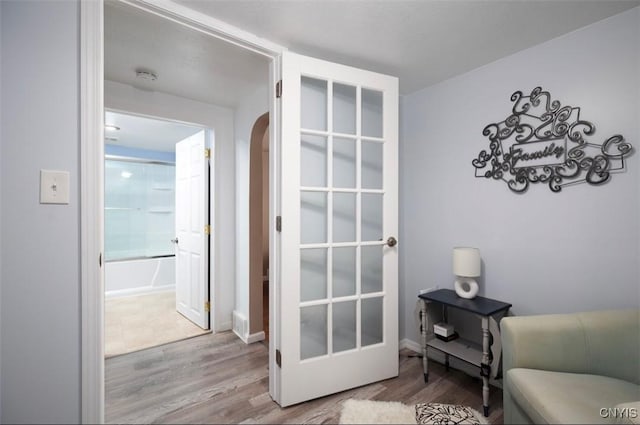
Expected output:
{"points": [[466, 266]]}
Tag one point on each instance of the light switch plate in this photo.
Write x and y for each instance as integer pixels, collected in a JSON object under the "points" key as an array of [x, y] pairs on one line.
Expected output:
{"points": [[54, 187]]}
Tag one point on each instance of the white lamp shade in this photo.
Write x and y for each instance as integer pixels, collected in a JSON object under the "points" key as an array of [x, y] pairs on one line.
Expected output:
{"points": [[466, 261]]}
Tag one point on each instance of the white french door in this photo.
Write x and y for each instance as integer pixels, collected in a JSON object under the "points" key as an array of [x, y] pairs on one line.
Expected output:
{"points": [[192, 240], [339, 200]]}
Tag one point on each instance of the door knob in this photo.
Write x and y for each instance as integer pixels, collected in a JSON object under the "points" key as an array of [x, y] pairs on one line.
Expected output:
{"points": [[174, 240], [392, 241]]}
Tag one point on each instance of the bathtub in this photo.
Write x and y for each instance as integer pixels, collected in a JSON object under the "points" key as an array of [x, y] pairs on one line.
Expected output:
{"points": [[142, 276]]}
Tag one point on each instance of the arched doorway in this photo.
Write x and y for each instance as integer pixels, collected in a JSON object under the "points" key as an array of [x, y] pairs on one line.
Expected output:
{"points": [[259, 227]]}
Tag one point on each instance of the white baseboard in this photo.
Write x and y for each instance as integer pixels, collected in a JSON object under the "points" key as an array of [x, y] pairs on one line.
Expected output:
{"points": [[143, 290], [250, 339], [258, 336], [411, 345]]}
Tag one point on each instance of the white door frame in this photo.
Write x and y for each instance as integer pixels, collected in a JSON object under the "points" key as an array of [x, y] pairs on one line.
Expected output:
{"points": [[92, 180], [210, 195]]}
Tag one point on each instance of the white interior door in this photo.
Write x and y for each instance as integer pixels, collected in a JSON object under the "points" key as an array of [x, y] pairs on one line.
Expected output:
{"points": [[192, 244], [339, 204]]}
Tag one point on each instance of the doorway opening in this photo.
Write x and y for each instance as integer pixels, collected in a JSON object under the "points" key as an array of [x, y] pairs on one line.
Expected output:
{"points": [[161, 68], [259, 228], [141, 283], [112, 34]]}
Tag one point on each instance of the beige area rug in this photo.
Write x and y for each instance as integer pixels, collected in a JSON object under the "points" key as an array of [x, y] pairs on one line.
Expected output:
{"points": [[391, 412], [143, 321]]}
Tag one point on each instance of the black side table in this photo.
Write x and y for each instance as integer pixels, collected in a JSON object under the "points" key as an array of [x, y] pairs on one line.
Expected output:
{"points": [[486, 357]]}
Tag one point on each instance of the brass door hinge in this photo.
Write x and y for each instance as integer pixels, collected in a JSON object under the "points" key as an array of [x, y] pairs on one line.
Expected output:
{"points": [[278, 358], [279, 89], [279, 223], [207, 153], [207, 306], [207, 229]]}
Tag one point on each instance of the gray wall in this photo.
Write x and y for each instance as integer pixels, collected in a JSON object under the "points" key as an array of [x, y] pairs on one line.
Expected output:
{"points": [[40, 276], [542, 251]]}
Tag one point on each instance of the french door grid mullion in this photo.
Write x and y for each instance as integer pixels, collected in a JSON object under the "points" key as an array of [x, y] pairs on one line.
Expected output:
{"points": [[358, 216], [330, 217]]}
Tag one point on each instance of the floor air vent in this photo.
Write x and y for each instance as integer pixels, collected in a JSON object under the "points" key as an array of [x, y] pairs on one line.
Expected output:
{"points": [[239, 324]]}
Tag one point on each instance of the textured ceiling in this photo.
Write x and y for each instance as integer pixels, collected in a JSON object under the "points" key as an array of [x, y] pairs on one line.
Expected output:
{"points": [[188, 63], [422, 42]]}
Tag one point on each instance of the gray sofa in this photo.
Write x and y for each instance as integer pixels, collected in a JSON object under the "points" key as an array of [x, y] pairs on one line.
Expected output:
{"points": [[572, 368]]}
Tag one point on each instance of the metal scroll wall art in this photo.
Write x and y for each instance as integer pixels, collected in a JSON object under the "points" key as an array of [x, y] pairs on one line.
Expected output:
{"points": [[544, 142]]}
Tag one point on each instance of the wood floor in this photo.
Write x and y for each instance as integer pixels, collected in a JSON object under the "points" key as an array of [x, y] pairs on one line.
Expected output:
{"points": [[219, 379]]}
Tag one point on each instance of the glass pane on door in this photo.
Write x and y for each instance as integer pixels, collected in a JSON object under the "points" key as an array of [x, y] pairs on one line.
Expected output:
{"points": [[313, 154], [371, 217], [344, 271], [344, 163], [313, 217], [313, 331], [313, 274], [372, 321], [344, 109], [371, 165], [344, 217], [371, 269], [313, 104], [344, 326], [371, 113]]}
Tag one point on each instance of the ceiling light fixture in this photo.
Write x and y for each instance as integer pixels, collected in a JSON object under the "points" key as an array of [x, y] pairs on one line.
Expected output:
{"points": [[111, 127], [146, 75]]}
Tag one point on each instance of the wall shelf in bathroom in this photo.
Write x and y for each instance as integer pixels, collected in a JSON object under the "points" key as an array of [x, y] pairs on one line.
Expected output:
{"points": [[167, 189], [159, 211]]}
